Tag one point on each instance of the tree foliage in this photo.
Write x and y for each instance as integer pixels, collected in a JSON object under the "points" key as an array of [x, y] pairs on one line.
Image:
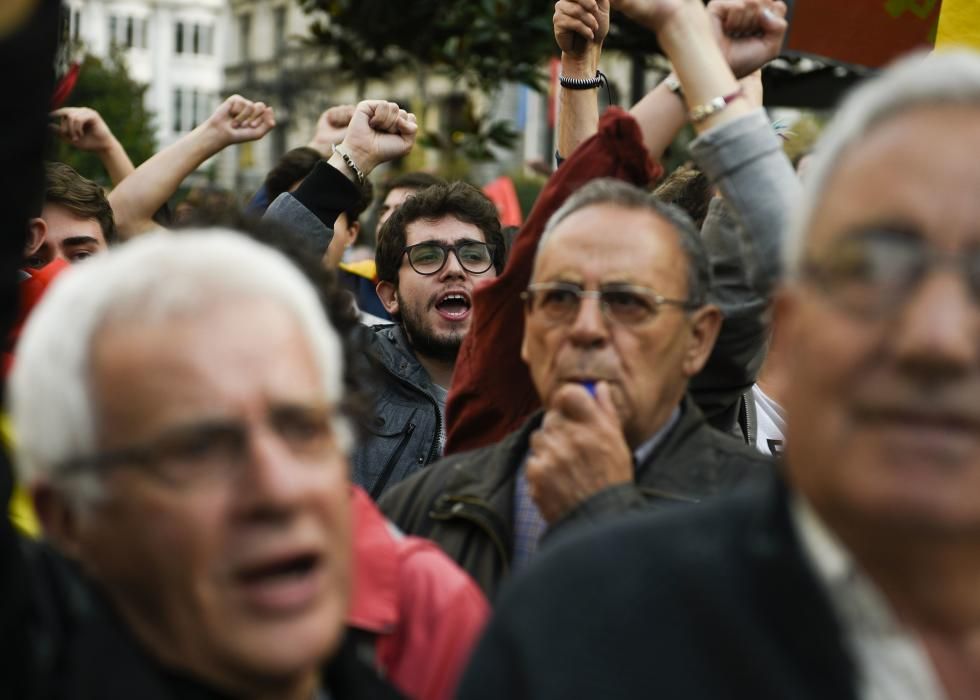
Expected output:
{"points": [[482, 42], [106, 87]]}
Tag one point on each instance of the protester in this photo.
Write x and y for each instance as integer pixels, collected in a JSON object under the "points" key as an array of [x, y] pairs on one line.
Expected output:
{"points": [[574, 462], [76, 220], [482, 410], [431, 254], [235, 587], [856, 577]]}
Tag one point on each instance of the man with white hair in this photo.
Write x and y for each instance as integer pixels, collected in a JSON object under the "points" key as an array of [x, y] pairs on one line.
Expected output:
{"points": [[857, 573], [178, 427]]}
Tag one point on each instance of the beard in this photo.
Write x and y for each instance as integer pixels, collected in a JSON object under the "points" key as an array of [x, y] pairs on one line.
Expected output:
{"points": [[424, 339]]}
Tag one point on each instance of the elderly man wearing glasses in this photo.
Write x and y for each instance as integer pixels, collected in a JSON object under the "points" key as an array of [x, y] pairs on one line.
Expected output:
{"points": [[619, 316], [431, 254]]}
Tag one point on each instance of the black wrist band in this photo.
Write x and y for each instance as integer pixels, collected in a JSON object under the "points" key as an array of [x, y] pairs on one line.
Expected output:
{"points": [[587, 83], [582, 83]]}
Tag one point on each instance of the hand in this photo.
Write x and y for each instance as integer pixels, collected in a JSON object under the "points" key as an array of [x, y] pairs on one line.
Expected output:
{"points": [[238, 120], [331, 128], [379, 132], [581, 25], [578, 451], [83, 128], [652, 14], [749, 32]]}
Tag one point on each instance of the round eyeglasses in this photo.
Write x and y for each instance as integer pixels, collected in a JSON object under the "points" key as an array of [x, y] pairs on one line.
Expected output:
{"points": [[430, 257]]}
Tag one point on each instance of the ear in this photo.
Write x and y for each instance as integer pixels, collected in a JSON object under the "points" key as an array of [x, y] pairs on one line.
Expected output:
{"points": [[37, 230], [58, 518], [354, 230], [387, 292], [705, 323]]}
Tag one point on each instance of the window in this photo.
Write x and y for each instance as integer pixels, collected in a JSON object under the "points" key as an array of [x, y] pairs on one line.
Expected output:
{"points": [[76, 24], [194, 108], [178, 111], [179, 38], [113, 27], [143, 43], [280, 24], [208, 40], [196, 39], [128, 43], [244, 36]]}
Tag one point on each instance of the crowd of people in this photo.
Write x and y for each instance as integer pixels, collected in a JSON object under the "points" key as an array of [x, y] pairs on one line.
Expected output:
{"points": [[704, 434]]}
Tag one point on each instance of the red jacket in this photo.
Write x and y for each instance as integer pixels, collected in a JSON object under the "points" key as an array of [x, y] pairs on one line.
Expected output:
{"points": [[425, 612], [492, 393]]}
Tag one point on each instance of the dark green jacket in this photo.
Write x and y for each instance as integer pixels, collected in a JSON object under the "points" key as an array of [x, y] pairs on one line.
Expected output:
{"points": [[465, 503]]}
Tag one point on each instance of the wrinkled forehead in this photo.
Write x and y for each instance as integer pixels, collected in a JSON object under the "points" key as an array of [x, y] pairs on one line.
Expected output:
{"points": [[614, 243], [917, 171]]}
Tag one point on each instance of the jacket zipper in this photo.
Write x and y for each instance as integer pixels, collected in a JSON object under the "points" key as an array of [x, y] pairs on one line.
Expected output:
{"points": [[382, 481], [460, 511], [434, 447]]}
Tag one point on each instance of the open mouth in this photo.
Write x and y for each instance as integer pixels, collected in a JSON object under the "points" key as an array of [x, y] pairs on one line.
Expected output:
{"points": [[281, 585], [454, 306]]}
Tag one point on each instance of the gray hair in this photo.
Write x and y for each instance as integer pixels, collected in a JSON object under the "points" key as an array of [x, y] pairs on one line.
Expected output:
{"points": [[944, 78], [623, 194], [151, 279]]}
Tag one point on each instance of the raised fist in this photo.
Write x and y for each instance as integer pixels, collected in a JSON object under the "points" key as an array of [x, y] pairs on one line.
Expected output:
{"points": [[83, 128], [379, 132], [238, 120], [749, 32], [331, 128], [580, 24]]}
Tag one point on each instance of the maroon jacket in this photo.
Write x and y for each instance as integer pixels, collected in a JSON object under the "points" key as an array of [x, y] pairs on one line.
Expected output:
{"points": [[492, 393]]}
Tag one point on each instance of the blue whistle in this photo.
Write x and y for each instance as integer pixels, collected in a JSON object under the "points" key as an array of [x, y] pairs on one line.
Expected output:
{"points": [[589, 387]]}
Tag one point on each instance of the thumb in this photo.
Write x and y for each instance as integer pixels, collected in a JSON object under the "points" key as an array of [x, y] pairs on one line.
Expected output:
{"points": [[773, 18]]}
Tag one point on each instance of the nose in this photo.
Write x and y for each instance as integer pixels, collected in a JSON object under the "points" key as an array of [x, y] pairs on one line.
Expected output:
{"points": [[452, 268], [937, 332], [589, 328], [271, 482]]}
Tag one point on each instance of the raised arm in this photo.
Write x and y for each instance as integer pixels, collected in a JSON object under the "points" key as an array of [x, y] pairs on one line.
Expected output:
{"points": [[580, 28], [378, 132], [141, 194], [85, 129]]}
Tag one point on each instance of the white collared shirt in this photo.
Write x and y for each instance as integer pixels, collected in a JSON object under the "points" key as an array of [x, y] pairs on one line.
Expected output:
{"points": [[891, 661]]}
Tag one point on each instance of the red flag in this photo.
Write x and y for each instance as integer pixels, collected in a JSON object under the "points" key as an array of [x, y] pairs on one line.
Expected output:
{"points": [[65, 86], [503, 193], [868, 33]]}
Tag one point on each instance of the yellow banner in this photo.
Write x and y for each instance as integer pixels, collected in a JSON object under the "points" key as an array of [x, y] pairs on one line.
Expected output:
{"points": [[959, 24]]}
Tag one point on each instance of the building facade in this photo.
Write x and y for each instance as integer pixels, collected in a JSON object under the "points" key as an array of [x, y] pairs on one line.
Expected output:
{"points": [[177, 47]]}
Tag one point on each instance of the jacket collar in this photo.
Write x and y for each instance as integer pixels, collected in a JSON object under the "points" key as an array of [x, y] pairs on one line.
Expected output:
{"points": [[397, 356]]}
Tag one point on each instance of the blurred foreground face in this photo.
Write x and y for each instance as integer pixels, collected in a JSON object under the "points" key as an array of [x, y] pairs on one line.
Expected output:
{"points": [[884, 332], [227, 549]]}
